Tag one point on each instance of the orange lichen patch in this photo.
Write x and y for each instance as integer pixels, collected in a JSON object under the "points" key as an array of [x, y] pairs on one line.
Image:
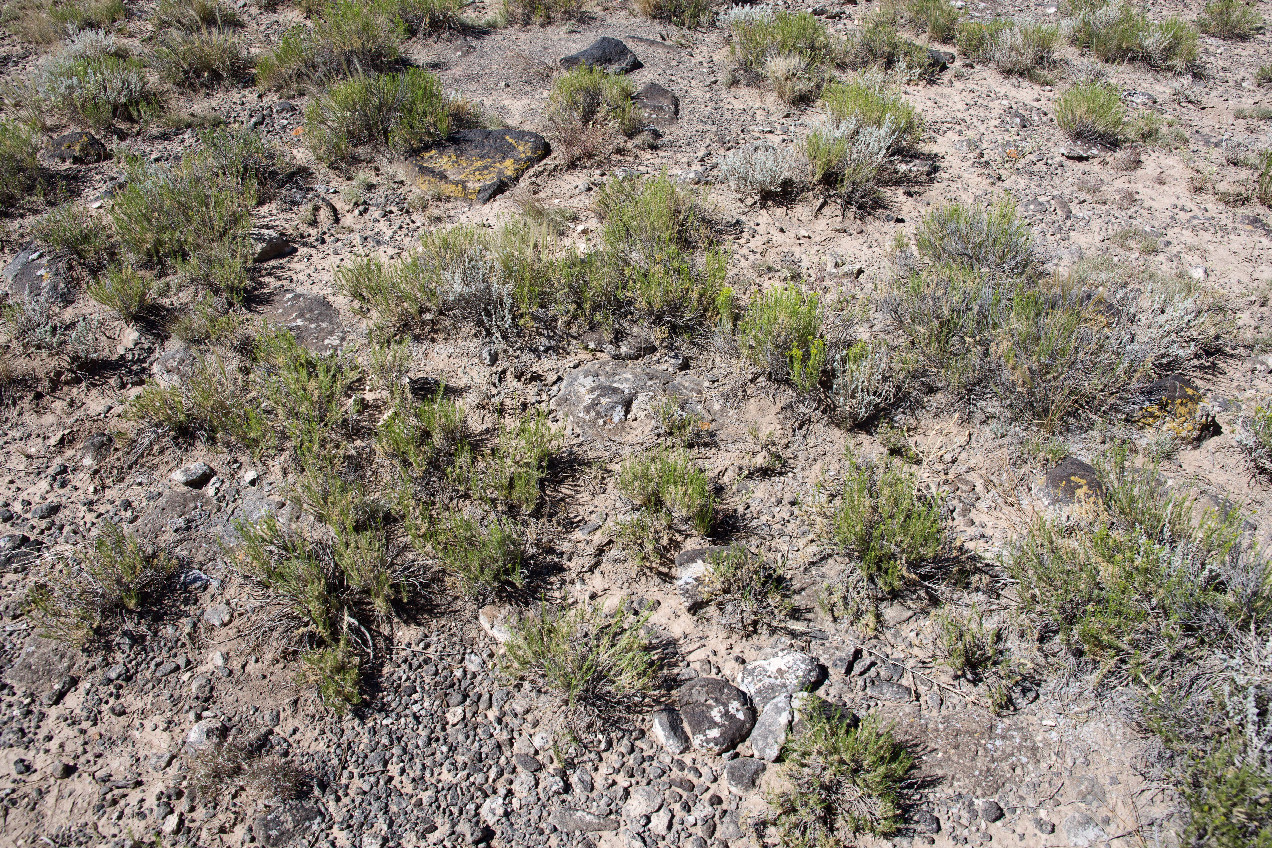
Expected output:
{"points": [[1174, 405], [477, 164]]}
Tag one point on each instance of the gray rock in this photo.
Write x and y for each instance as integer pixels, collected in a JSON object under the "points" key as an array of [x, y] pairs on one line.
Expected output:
{"points": [[269, 244], [886, 690], [784, 674], [691, 567], [33, 274], [660, 105], [660, 822], [78, 148], [61, 690], [205, 734], [195, 475], [167, 668], [669, 731], [310, 318], [743, 773], [606, 53], [218, 615], [717, 715], [61, 770], [642, 801], [991, 811], [296, 821], [581, 821], [1044, 827], [1083, 831], [771, 728], [606, 393]]}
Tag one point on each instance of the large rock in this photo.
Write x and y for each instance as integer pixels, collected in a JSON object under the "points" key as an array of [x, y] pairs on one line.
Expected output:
{"points": [[717, 715], [771, 729], [743, 773], [206, 733], [296, 822], [660, 105], [311, 319], [784, 674], [477, 164], [606, 53], [1073, 481], [606, 393], [78, 148], [34, 274], [269, 244]]}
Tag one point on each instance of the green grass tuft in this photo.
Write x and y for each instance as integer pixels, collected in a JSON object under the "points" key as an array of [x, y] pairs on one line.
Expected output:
{"points": [[385, 112], [1092, 111]]}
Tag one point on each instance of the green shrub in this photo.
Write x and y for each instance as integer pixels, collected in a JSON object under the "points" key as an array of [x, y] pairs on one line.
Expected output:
{"points": [[541, 12], [1012, 48], [1124, 33], [781, 332], [1263, 76], [598, 666], [994, 239], [77, 597], [937, 19], [1232, 19], [336, 672], [585, 96], [878, 44], [747, 592], [869, 103], [386, 112], [1228, 799], [1256, 437], [125, 290], [690, 14], [481, 561], [512, 473], [840, 778], [1092, 111], [93, 90], [668, 482], [207, 405], [892, 530], [46, 22], [424, 435], [202, 59], [1263, 182], [967, 646], [73, 230], [19, 171], [865, 379], [758, 34], [194, 15], [348, 38]]}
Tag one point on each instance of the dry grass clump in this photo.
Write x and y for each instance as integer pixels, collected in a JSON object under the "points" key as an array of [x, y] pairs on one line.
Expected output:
{"points": [[690, 14], [194, 15], [746, 591], [541, 12], [19, 170], [92, 81], [49, 21], [590, 109], [385, 112], [1235, 20], [1012, 48], [1119, 33], [202, 59]]}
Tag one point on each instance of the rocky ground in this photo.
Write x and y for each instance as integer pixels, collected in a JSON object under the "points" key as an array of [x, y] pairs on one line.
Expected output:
{"points": [[184, 726]]}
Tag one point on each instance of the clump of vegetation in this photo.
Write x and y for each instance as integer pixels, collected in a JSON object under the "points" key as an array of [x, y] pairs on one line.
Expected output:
{"points": [[481, 560], [45, 22], [347, 38], [588, 107], [761, 169], [746, 591], [81, 595], [194, 15], [994, 239], [541, 12], [937, 19], [384, 112], [690, 14], [868, 102], [879, 45], [1256, 437], [841, 777], [1119, 33], [93, 82], [781, 332], [19, 170], [894, 532], [865, 379], [1263, 76], [1012, 48], [968, 647], [1235, 20], [1263, 182], [597, 666], [667, 483], [202, 59], [1092, 111], [125, 290], [757, 34]]}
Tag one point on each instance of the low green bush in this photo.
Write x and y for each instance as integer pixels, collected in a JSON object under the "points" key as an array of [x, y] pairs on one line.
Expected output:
{"points": [[385, 112], [1118, 33], [746, 592], [1263, 182], [1092, 111], [1235, 20], [94, 90], [1256, 437], [668, 482], [19, 170], [541, 12], [878, 44], [993, 239], [194, 15], [202, 59], [757, 34], [690, 14], [481, 560], [781, 332], [124, 290], [868, 102], [347, 38], [1014, 49], [49, 21], [937, 19], [840, 777], [589, 108]]}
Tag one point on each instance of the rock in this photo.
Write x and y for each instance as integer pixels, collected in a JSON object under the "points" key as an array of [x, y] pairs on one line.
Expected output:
{"points": [[896, 613], [297, 822], [61, 770], [743, 773], [173, 366], [784, 674], [95, 449], [691, 567], [1044, 827], [167, 669], [1073, 481], [717, 715], [45, 510], [660, 822], [61, 690], [33, 274], [1083, 831], [886, 690], [924, 821], [195, 475], [991, 811], [477, 164], [606, 53], [201, 687], [525, 762], [78, 148], [1173, 403], [269, 244], [489, 356], [771, 728], [493, 811], [171, 824], [310, 318], [669, 731], [494, 620], [1081, 151], [642, 801], [206, 734], [581, 821], [218, 615], [22, 767], [603, 393], [939, 59], [660, 105]]}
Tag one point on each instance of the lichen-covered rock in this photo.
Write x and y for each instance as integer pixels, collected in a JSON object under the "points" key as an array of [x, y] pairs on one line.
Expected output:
{"points": [[78, 148], [477, 164], [717, 715], [784, 674], [1073, 481]]}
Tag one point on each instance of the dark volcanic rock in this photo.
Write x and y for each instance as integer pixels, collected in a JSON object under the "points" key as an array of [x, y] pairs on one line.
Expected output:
{"points": [[78, 148], [1073, 480], [608, 54], [660, 105], [717, 715], [310, 318], [477, 164]]}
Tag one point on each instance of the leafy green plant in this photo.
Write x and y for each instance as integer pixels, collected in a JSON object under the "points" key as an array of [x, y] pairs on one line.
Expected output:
{"points": [[1117, 33], [883, 521], [878, 44], [513, 472], [125, 290], [1263, 182], [746, 591], [867, 101], [423, 435], [202, 59], [598, 666], [76, 232], [80, 595], [993, 239], [385, 112], [585, 97], [1092, 111], [668, 481], [841, 777], [481, 560], [19, 171], [757, 34], [1256, 437], [1235, 20], [781, 332]]}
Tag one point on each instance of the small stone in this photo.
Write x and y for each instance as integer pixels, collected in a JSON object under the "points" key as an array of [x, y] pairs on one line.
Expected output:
{"points": [[669, 731], [886, 690], [116, 672], [660, 105], [525, 762], [201, 687], [1044, 827], [642, 801], [205, 734], [1083, 831], [771, 728], [581, 821], [991, 811], [195, 475], [218, 615], [716, 715], [784, 674], [167, 668], [743, 773], [493, 811], [494, 620], [489, 355], [60, 691], [171, 824], [269, 244], [22, 767], [62, 770]]}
